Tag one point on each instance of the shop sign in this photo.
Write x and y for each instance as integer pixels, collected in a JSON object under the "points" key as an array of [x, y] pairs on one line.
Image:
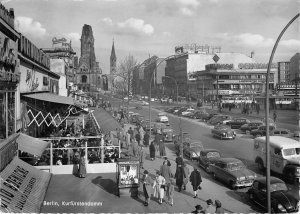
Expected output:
{"points": [[9, 62], [256, 65], [23, 187], [219, 66]]}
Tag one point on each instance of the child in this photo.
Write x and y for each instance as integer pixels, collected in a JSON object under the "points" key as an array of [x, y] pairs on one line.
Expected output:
{"points": [[170, 191]]}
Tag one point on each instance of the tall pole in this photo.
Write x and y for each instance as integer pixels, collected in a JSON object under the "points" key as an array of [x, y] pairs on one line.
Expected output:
{"points": [[176, 87], [267, 113]]}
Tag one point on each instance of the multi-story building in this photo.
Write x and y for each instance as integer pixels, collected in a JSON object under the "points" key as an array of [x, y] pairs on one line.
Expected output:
{"points": [[295, 67], [88, 73], [283, 71], [182, 68]]}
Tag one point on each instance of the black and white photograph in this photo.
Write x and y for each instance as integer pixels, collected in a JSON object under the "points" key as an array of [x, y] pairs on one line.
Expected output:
{"points": [[149, 106]]}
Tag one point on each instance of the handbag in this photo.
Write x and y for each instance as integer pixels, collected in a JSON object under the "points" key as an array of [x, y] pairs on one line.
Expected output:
{"points": [[162, 186]]}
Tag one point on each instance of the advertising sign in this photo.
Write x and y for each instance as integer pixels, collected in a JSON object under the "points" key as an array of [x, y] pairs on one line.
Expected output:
{"points": [[22, 187]]}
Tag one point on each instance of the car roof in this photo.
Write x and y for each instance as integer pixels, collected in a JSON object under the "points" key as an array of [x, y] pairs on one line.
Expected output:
{"points": [[229, 160], [273, 180], [280, 141], [281, 129], [210, 150], [256, 121]]}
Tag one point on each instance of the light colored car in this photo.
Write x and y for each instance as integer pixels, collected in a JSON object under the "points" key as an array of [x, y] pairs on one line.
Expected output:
{"points": [[192, 150], [162, 117], [187, 112], [144, 103]]}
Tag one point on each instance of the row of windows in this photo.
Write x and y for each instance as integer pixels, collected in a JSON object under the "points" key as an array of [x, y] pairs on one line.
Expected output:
{"points": [[249, 76], [237, 86]]}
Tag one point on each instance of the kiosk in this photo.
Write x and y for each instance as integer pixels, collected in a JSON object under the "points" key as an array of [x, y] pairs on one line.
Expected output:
{"points": [[128, 174]]}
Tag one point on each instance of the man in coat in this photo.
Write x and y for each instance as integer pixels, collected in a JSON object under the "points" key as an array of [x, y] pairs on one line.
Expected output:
{"points": [[195, 179], [165, 171], [147, 186]]}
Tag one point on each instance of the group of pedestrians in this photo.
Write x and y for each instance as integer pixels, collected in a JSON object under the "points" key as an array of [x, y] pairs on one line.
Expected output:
{"points": [[210, 207]]}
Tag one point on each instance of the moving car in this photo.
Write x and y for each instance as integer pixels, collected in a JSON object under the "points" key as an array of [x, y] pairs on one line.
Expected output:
{"points": [[168, 134], [282, 201], [162, 118], [232, 172], [236, 123], [251, 126], [261, 131], [223, 132], [192, 150], [218, 119], [208, 156]]}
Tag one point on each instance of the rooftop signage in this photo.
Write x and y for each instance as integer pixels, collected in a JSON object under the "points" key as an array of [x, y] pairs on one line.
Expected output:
{"points": [[256, 65], [219, 66], [7, 16]]}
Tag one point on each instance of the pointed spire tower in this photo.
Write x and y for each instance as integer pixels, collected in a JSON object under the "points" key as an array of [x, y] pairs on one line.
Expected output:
{"points": [[113, 60]]}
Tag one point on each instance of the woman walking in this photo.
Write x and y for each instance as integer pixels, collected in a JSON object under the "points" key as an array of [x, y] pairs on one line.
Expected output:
{"points": [[170, 191], [186, 172], [146, 181], [152, 151], [82, 168], [159, 187]]}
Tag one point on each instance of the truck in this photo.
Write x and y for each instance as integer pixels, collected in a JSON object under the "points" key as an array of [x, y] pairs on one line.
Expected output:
{"points": [[284, 156]]}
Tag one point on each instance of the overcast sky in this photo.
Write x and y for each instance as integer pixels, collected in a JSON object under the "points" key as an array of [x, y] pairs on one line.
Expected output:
{"points": [[154, 27]]}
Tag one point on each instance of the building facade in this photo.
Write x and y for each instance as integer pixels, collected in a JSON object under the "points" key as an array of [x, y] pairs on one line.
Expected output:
{"points": [[283, 72], [295, 67], [88, 74]]}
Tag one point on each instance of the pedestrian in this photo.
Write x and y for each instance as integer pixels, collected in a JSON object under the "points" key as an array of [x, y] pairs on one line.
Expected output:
{"points": [[219, 208], [138, 138], [146, 139], [130, 131], [159, 187], [170, 191], [135, 148], [157, 139], [179, 175], [142, 134], [152, 151], [199, 209], [141, 157], [274, 115], [195, 179], [179, 161], [168, 162], [162, 148], [210, 207], [147, 184], [82, 167], [186, 172], [165, 171]]}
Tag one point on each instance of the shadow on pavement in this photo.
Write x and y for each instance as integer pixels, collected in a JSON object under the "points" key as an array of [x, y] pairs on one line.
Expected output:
{"points": [[108, 185]]}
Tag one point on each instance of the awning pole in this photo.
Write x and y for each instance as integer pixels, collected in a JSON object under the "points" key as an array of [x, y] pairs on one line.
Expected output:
{"points": [[51, 157]]}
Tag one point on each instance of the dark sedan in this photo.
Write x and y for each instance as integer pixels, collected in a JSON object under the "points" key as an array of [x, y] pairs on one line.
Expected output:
{"points": [[233, 172], [251, 126], [282, 201], [206, 117], [236, 123], [208, 156], [223, 132], [218, 119], [198, 114], [261, 131]]}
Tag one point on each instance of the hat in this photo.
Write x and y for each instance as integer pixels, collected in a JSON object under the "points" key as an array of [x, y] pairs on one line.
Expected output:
{"points": [[198, 207], [209, 201], [146, 172]]}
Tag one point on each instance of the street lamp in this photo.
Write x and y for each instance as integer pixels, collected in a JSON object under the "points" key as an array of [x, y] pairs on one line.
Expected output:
{"points": [[267, 113], [152, 74], [176, 87]]}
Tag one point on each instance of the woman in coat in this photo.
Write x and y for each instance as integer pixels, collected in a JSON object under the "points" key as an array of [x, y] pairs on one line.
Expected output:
{"points": [[82, 168], [186, 172], [195, 179], [179, 175], [159, 187], [152, 150], [147, 184]]}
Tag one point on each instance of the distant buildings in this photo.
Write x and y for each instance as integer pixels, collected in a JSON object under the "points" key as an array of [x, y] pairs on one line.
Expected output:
{"points": [[295, 67]]}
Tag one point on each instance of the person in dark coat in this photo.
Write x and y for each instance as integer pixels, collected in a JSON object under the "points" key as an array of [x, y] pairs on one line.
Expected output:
{"points": [[162, 148], [195, 179], [219, 208], [179, 175], [165, 171], [199, 209], [147, 186], [152, 151], [158, 138], [138, 138], [82, 167], [146, 139]]}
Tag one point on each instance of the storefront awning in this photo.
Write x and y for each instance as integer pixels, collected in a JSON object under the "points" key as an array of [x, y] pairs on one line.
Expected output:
{"points": [[51, 98], [31, 145]]}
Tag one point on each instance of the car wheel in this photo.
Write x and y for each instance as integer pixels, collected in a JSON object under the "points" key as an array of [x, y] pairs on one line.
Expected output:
{"points": [[260, 165]]}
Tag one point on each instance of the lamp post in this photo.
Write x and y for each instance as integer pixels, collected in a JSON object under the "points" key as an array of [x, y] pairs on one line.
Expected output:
{"points": [[267, 113], [151, 78], [176, 87]]}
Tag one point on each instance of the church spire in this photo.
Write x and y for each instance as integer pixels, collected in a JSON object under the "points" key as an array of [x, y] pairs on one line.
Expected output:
{"points": [[113, 59]]}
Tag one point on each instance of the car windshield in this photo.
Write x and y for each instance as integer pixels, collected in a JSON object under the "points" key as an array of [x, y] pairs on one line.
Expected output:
{"points": [[213, 155], [235, 166], [278, 187], [291, 151]]}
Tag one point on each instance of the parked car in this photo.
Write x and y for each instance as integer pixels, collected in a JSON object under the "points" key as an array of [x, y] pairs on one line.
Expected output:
{"points": [[223, 132], [168, 134], [198, 114], [236, 123], [192, 150], [173, 109], [207, 117], [208, 156], [261, 131], [144, 103], [282, 132], [179, 112], [218, 119], [282, 200], [187, 112], [232, 172], [251, 126]]}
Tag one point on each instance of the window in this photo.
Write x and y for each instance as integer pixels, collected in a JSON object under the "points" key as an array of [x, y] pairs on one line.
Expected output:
{"points": [[83, 78]]}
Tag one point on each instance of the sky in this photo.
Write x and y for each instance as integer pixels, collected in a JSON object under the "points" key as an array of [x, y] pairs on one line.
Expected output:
{"points": [[143, 28]]}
